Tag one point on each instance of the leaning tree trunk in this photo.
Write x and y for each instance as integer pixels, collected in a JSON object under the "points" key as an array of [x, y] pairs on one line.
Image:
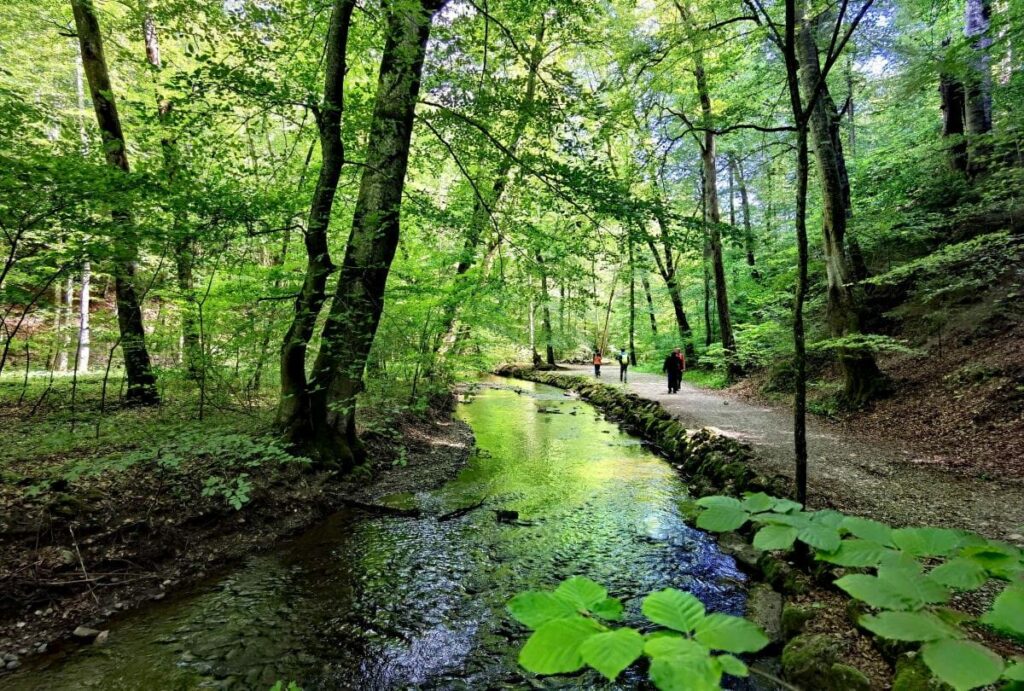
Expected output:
{"points": [[862, 379], [359, 299], [293, 410], [650, 302], [667, 269], [141, 382], [632, 302], [84, 332], [714, 216]]}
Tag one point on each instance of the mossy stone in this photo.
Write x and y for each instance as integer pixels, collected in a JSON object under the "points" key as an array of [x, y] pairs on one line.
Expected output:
{"points": [[913, 675], [794, 618]]}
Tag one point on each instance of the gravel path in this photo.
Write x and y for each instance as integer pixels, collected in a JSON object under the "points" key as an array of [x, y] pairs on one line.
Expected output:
{"points": [[852, 474]]}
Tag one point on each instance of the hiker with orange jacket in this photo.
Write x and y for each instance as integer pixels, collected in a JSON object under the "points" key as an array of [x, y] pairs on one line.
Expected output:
{"points": [[597, 363]]}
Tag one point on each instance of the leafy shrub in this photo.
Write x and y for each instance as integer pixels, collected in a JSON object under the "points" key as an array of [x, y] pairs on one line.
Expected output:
{"points": [[916, 572], [572, 629], [235, 491]]}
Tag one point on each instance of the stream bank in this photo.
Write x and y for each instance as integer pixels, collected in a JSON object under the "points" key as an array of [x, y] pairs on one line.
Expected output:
{"points": [[81, 554], [382, 600]]}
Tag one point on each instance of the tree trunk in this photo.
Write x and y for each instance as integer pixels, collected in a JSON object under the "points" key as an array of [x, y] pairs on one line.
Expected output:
{"points": [[667, 269], [632, 303], [862, 379], [546, 313], [799, 342], [139, 373], [978, 93], [748, 233], [714, 215], [294, 414], [66, 300], [84, 332], [650, 302], [359, 299], [953, 98]]}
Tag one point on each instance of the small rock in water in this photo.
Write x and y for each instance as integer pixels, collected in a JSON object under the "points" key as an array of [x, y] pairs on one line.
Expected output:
{"points": [[505, 516], [84, 633], [101, 638], [13, 665]]}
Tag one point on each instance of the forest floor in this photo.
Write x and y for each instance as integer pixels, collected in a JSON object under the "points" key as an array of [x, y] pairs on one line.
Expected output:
{"points": [[854, 472], [94, 524]]}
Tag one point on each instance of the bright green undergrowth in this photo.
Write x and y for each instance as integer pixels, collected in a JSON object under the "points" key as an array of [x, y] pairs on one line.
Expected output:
{"points": [[573, 627], [906, 577]]}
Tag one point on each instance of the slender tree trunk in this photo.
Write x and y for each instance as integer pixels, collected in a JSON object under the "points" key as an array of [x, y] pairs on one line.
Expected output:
{"points": [[748, 233], [185, 242], [358, 302], [632, 303], [294, 415], [862, 378], [64, 333], [549, 346], [650, 302], [714, 216], [139, 373], [84, 332], [799, 342], [667, 269]]}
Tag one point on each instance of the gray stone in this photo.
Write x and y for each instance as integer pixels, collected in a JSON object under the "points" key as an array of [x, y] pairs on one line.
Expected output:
{"points": [[84, 633], [101, 638], [764, 608], [13, 665]]}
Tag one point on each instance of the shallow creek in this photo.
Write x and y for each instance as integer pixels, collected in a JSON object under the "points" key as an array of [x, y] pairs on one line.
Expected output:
{"points": [[372, 602]]}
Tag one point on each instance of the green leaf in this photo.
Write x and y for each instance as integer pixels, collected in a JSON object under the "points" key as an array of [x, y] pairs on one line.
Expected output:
{"points": [[855, 552], [679, 664], [772, 537], [998, 558], [927, 542], [912, 585], [820, 537], [674, 609], [581, 591], [758, 501], [867, 529], [795, 520], [960, 573], [1007, 612], [1015, 672], [787, 506], [828, 518], [721, 519], [534, 609], [872, 590], [611, 652], [729, 633], [963, 665], [732, 665], [554, 648], [909, 626], [609, 609], [719, 500]]}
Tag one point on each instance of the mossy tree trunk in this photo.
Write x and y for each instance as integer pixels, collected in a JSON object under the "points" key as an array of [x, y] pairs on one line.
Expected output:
{"points": [[138, 371], [862, 378], [293, 411], [358, 303]]}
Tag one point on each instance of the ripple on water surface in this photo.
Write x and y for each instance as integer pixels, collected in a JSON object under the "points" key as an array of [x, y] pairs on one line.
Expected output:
{"points": [[376, 603]]}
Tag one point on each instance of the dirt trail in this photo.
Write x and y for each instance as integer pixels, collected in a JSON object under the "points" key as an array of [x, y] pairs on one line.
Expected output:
{"points": [[849, 473]]}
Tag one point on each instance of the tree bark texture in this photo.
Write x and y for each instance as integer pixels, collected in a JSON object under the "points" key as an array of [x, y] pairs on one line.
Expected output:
{"points": [[294, 414], [862, 379], [359, 298], [138, 371]]}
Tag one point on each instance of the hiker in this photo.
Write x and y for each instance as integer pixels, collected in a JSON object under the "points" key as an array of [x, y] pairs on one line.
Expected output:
{"points": [[674, 366], [597, 364], [623, 366]]}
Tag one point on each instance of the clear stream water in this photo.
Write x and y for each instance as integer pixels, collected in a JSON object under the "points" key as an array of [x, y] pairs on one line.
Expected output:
{"points": [[367, 602]]}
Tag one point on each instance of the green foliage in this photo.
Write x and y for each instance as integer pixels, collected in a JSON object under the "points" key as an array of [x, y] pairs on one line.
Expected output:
{"points": [[691, 651], [916, 571], [235, 492]]}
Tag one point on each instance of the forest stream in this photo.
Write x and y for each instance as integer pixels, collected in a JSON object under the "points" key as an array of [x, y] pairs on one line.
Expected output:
{"points": [[374, 602]]}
